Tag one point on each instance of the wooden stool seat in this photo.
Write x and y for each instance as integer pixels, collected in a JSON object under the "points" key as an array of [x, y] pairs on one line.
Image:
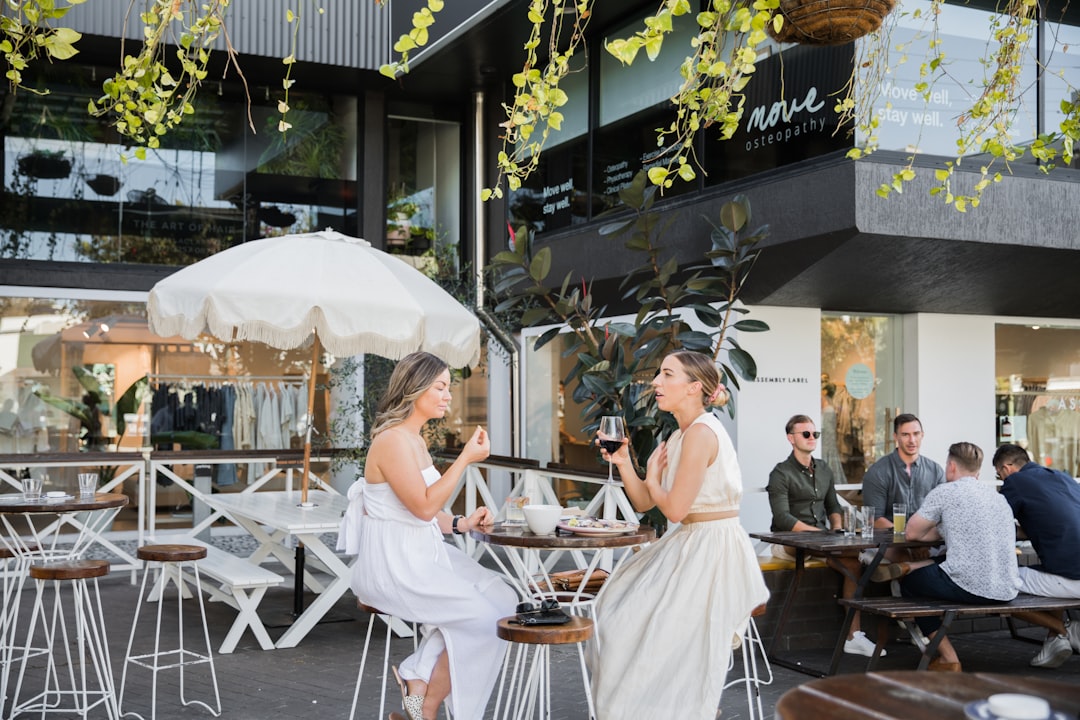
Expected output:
{"points": [[579, 629], [70, 570], [171, 553], [7, 554], [369, 608], [759, 610]]}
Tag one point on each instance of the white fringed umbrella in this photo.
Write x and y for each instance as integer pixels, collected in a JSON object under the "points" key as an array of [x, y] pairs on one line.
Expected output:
{"points": [[321, 287]]}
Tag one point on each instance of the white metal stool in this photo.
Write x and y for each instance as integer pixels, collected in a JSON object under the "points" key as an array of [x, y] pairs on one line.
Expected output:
{"points": [[172, 559], [530, 687], [750, 648], [374, 613], [91, 643]]}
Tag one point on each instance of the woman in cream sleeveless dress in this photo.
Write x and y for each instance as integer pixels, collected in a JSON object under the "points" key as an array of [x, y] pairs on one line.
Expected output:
{"points": [[666, 621], [405, 568]]}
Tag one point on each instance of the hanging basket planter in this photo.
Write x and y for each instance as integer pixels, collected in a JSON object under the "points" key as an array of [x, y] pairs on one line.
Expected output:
{"points": [[44, 165], [830, 22]]}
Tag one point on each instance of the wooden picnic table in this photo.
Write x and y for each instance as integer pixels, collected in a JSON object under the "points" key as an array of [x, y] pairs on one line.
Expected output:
{"points": [[907, 694], [828, 544]]}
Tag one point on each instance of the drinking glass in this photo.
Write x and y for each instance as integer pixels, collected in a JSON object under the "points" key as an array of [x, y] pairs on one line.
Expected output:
{"points": [[899, 517], [868, 521], [31, 488], [87, 484], [612, 432], [851, 517]]}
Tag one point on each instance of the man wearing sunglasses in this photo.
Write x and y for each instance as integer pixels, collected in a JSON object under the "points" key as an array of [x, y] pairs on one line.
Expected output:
{"points": [[802, 495]]}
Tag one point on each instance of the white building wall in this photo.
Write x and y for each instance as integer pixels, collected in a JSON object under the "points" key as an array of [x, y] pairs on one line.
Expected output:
{"points": [[953, 390], [788, 358]]}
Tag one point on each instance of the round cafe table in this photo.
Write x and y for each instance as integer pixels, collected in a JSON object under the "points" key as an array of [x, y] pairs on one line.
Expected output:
{"points": [[904, 695], [30, 535], [27, 536], [530, 576]]}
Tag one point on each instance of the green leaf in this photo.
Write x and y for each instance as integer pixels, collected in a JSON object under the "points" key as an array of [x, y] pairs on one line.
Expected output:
{"points": [[751, 326], [547, 337], [615, 228], [533, 316], [734, 216], [743, 363], [540, 265], [622, 328]]}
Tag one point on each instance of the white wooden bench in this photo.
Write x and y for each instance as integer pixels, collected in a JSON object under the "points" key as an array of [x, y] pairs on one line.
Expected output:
{"points": [[242, 586]]}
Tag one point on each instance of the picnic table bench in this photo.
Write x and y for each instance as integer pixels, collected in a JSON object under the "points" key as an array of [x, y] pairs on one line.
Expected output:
{"points": [[906, 610], [241, 584]]}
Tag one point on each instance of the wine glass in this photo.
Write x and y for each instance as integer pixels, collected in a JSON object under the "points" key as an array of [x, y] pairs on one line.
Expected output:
{"points": [[612, 432]]}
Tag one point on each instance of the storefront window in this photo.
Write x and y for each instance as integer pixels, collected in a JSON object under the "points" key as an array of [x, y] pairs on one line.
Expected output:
{"points": [[908, 123], [81, 375], [70, 196], [1038, 392], [556, 195], [861, 390], [423, 201]]}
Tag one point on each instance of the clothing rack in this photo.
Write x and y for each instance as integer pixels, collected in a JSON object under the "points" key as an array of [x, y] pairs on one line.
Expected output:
{"points": [[164, 377]]}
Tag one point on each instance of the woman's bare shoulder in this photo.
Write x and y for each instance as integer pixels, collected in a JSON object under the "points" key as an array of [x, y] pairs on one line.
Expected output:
{"points": [[389, 450], [700, 437]]}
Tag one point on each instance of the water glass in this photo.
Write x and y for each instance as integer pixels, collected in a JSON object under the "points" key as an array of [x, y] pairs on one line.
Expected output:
{"points": [[31, 489], [868, 521], [514, 513], [851, 519], [87, 484]]}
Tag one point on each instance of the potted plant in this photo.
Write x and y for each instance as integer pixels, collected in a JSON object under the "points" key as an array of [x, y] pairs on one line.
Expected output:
{"points": [[44, 165]]}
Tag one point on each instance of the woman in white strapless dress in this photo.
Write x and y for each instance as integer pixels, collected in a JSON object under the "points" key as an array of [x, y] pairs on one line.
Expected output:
{"points": [[403, 565], [667, 619]]}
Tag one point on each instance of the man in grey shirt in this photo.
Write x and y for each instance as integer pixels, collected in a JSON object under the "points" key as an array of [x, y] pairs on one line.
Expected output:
{"points": [[902, 476]]}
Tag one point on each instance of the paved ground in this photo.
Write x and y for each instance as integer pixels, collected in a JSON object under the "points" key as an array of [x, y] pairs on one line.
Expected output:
{"points": [[317, 678]]}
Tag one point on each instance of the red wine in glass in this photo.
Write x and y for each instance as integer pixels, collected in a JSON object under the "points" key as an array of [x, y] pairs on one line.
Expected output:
{"points": [[612, 432], [612, 446]]}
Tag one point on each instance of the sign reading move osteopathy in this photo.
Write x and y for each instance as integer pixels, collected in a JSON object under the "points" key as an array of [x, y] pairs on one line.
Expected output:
{"points": [[788, 114]]}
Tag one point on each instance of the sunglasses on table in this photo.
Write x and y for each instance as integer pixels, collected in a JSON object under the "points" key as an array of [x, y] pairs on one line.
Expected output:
{"points": [[545, 606], [807, 434]]}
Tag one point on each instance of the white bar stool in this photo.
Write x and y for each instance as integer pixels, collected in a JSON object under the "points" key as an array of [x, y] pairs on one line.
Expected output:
{"points": [[92, 645], [530, 686], [750, 648], [374, 613], [172, 559]]}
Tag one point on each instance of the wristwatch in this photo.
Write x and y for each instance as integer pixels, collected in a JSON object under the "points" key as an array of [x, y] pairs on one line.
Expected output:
{"points": [[453, 525]]}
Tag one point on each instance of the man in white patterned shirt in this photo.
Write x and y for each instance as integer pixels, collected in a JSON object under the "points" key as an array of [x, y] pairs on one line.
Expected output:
{"points": [[977, 526]]}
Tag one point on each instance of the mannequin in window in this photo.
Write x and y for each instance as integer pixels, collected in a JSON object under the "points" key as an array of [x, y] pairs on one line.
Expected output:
{"points": [[830, 453]]}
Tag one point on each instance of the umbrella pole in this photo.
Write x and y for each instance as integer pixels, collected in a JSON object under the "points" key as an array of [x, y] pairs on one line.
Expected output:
{"points": [[310, 417]]}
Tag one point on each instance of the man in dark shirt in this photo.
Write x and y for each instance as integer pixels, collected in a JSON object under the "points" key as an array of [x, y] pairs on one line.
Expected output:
{"points": [[1046, 503], [802, 495]]}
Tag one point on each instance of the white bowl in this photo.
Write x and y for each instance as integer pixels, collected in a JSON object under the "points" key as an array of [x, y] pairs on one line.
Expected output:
{"points": [[1018, 707], [542, 519]]}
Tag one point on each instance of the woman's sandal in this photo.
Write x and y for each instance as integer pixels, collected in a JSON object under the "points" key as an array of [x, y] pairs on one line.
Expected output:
{"points": [[413, 705]]}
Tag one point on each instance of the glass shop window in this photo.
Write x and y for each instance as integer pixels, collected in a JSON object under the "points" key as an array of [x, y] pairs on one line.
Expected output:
{"points": [[861, 390], [1038, 392]]}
